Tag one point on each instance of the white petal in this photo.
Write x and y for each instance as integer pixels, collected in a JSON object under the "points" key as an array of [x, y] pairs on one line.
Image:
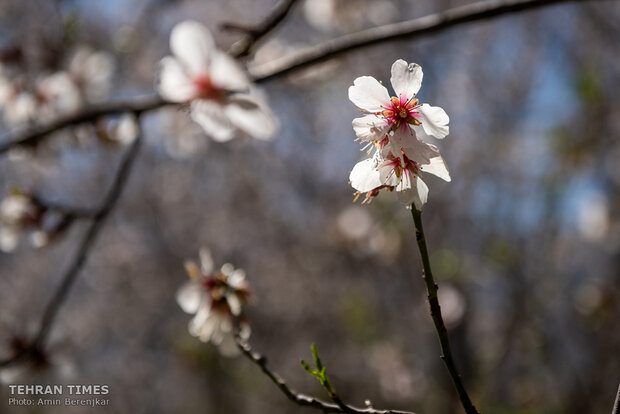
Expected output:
{"points": [[237, 278], [434, 120], [206, 261], [371, 128], [226, 73], [421, 193], [211, 117], [364, 177], [421, 152], [437, 167], [192, 43], [190, 296], [387, 175], [252, 116], [406, 79], [403, 137], [9, 239], [368, 94], [173, 83], [234, 304]]}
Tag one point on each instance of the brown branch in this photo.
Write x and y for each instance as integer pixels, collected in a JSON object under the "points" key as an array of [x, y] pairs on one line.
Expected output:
{"points": [[409, 29], [32, 136], [253, 34], [85, 246], [296, 61], [440, 327], [303, 399]]}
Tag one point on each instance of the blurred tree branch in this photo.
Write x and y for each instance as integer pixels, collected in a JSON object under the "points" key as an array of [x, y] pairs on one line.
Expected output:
{"points": [[85, 246], [253, 34], [616, 409], [303, 399], [440, 327], [409, 29], [414, 28]]}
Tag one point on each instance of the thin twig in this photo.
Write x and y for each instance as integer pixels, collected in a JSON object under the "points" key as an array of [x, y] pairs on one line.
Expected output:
{"points": [[252, 34], [85, 246], [616, 409], [303, 399], [415, 28], [65, 210], [409, 29], [440, 327]]}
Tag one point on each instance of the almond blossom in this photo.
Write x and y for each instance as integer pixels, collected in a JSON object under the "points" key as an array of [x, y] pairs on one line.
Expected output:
{"points": [[18, 212], [392, 126], [222, 99], [216, 298], [396, 120]]}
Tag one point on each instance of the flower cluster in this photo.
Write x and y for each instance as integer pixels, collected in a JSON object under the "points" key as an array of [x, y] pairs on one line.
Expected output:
{"points": [[216, 298], [18, 213], [86, 78], [221, 97], [393, 129], [23, 215]]}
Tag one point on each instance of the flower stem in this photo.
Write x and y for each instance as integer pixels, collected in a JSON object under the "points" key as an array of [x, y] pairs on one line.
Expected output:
{"points": [[440, 327]]}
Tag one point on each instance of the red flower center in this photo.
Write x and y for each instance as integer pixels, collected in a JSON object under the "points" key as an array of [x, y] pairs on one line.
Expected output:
{"points": [[399, 111], [205, 88]]}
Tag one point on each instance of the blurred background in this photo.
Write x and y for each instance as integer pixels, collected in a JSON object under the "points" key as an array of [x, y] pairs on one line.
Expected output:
{"points": [[524, 242]]}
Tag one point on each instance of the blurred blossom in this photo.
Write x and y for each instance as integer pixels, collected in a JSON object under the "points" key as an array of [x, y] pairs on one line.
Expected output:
{"points": [[57, 94], [320, 14], [222, 98], [453, 304], [216, 297], [20, 108], [356, 226], [354, 223], [391, 370], [391, 128], [87, 78], [92, 72], [126, 130], [593, 218], [18, 212]]}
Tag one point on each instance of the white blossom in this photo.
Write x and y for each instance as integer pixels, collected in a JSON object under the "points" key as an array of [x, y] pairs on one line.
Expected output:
{"points": [[401, 114], [18, 212], [391, 125], [221, 97], [216, 298]]}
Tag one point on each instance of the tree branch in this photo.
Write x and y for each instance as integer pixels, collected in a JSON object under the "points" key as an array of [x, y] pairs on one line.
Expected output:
{"points": [[303, 399], [440, 327], [415, 28], [409, 29], [616, 409], [85, 246], [255, 33], [32, 136]]}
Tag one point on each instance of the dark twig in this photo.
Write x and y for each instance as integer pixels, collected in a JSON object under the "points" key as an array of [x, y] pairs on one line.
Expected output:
{"points": [[252, 34], [419, 27], [303, 399], [409, 29], [616, 409], [85, 246], [65, 210], [440, 327]]}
